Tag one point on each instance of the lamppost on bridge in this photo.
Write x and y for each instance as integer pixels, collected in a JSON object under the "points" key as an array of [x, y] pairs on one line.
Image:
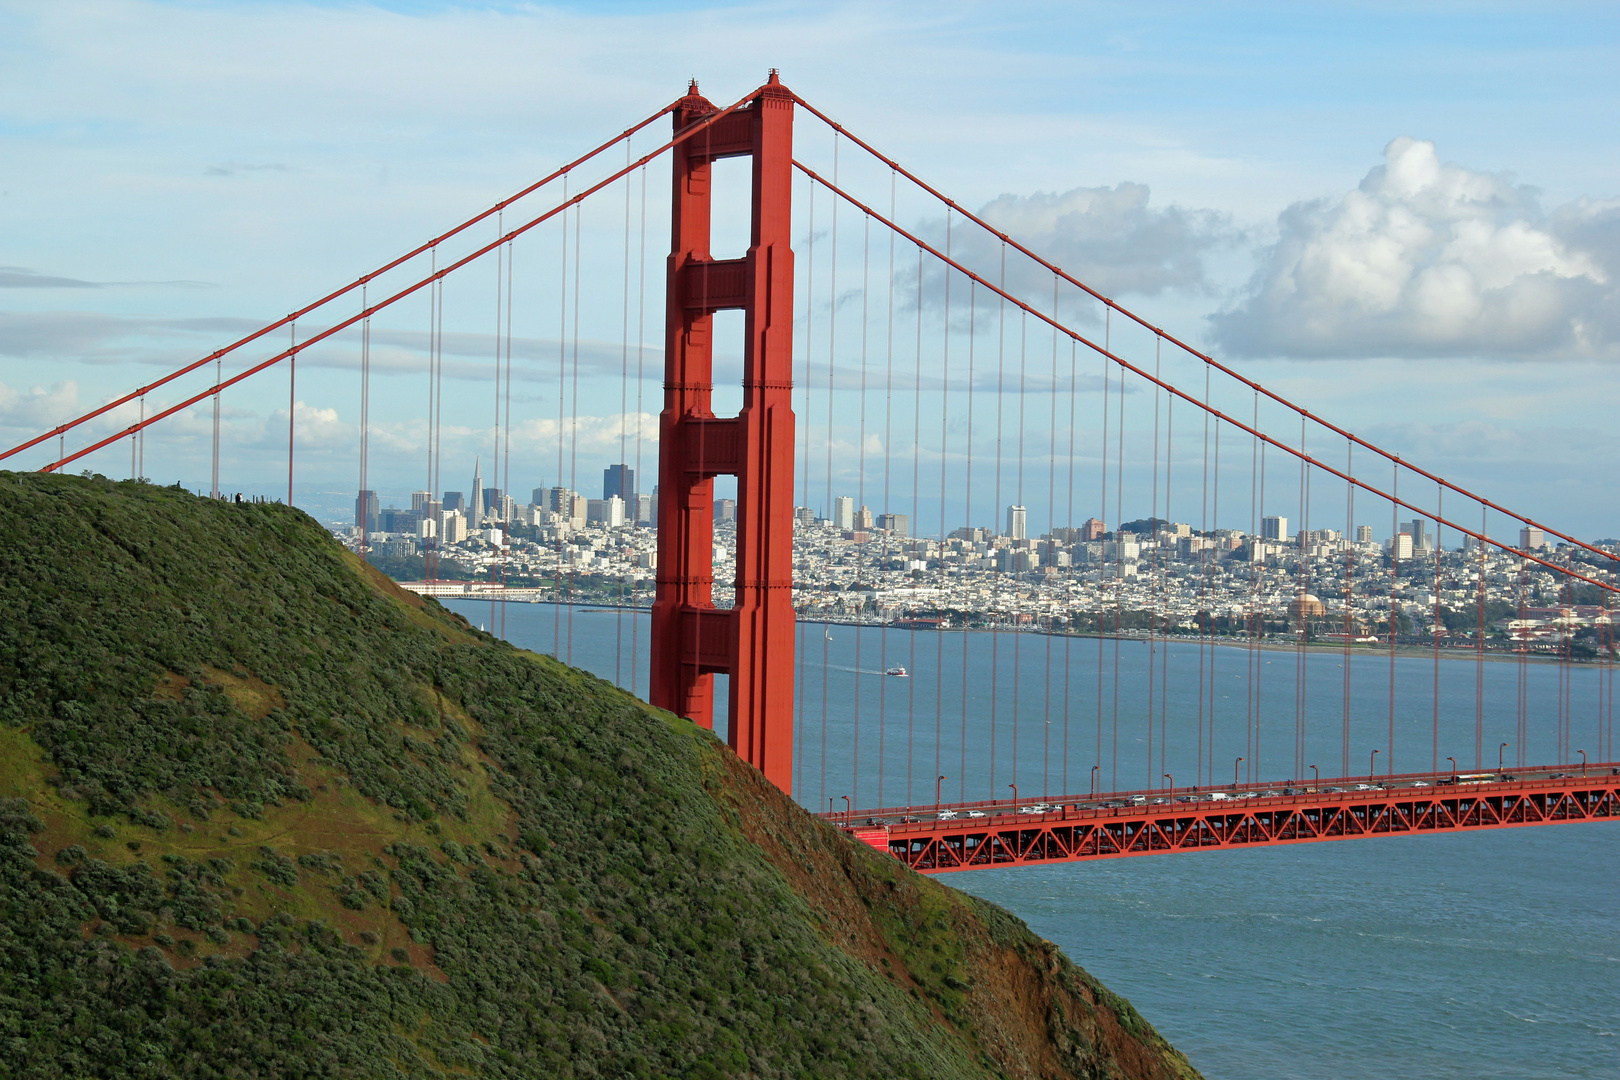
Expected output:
{"points": [[1235, 773], [1095, 769], [1316, 777], [1453, 767], [1500, 751], [1172, 780], [939, 785], [1372, 766], [1583, 761], [1015, 795], [849, 809]]}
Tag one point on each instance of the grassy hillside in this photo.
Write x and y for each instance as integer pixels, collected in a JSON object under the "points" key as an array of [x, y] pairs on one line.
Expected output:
{"points": [[264, 814]]}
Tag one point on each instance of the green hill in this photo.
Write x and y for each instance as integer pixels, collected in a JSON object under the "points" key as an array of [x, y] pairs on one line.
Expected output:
{"points": [[262, 813]]}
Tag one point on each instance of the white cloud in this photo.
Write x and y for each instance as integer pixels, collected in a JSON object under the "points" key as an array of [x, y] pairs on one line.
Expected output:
{"points": [[1111, 238], [38, 407], [1427, 258]]}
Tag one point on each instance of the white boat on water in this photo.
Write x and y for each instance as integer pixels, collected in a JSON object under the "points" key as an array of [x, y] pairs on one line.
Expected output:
{"points": [[898, 672]]}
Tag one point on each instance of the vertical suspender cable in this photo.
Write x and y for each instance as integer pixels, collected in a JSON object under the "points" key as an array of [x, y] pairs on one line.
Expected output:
{"points": [[1164, 634], [219, 373], [562, 498], [1215, 527], [832, 349], [888, 535], [1254, 617], [1439, 550], [1018, 591], [967, 519], [626, 493], [1203, 590], [944, 447], [1253, 763], [1349, 585], [437, 347], [498, 511], [1394, 585], [506, 448], [804, 458], [1479, 653], [1301, 588], [916, 523], [1102, 517], [1051, 549], [1153, 576], [573, 446], [1119, 539], [641, 356], [1068, 640], [995, 508], [363, 507], [860, 500], [292, 404]]}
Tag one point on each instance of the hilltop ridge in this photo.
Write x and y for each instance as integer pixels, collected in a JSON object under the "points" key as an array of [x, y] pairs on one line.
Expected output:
{"points": [[264, 813]]}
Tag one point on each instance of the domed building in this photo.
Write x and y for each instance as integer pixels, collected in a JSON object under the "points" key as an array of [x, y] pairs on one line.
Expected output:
{"points": [[1306, 606]]}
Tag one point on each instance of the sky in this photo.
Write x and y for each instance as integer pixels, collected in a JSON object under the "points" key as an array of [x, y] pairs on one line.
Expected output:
{"points": [[1406, 217]]}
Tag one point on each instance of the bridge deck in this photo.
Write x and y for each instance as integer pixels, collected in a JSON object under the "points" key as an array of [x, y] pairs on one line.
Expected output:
{"points": [[1114, 826]]}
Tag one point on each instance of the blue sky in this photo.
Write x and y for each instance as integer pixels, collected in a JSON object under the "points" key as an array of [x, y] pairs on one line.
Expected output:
{"points": [[1403, 214]]}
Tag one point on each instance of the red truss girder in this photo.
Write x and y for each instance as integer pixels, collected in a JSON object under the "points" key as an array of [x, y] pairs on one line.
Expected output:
{"points": [[1071, 835]]}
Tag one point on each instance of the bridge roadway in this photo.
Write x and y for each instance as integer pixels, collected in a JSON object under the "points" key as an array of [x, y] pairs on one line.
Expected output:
{"points": [[967, 836]]}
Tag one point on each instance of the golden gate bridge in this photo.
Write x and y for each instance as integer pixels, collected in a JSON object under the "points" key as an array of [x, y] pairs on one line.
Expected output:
{"points": [[947, 277]]}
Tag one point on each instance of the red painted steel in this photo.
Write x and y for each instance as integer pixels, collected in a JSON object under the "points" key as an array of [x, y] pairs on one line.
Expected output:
{"points": [[1251, 815], [753, 642]]}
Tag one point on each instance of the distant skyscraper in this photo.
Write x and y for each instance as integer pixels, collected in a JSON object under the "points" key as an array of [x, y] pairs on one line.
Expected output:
{"points": [[863, 518], [725, 510], [1532, 539], [619, 480], [455, 500], [1363, 534], [475, 515], [1417, 529], [897, 524], [365, 510], [1015, 522], [494, 504], [1273, 528], [843, 512], [1092, 529], [420, 500]]}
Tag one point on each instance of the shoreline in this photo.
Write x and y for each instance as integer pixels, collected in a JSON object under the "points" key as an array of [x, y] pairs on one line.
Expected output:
{"points": [[1373, 650]]}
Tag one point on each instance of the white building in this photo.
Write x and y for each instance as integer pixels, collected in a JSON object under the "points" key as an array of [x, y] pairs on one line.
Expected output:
{"points": [[609, 511], [843, 512], [1016, 522]]}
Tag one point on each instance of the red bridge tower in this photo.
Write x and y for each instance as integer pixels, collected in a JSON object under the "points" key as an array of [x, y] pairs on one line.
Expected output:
{"points": [[754, 641]]}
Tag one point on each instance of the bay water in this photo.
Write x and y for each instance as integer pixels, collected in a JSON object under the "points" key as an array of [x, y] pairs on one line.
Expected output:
{"points": [[1492, 954]]}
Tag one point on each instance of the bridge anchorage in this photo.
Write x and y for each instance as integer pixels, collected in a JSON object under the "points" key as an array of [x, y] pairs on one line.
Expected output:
{"points": [[1001, 620]]}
